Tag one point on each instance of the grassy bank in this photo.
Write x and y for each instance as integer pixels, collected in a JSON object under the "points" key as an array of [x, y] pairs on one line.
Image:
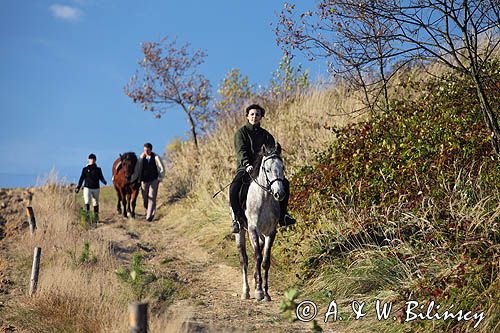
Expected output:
{"points": [[400, 206], [87, 279]]}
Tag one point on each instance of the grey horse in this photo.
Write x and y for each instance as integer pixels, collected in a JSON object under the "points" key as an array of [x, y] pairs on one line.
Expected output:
{"points": [[262, 212]]}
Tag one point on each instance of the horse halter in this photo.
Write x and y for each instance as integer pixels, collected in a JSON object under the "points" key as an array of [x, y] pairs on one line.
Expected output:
{"points": [[267, 188]]}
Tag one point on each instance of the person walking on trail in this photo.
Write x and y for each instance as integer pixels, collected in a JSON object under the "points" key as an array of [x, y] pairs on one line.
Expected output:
{"points": [[248, 142], [151, 171], [90, 177]]}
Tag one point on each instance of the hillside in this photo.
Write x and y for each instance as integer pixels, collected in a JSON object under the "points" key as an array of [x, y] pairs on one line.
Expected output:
{"points": [[399, 206]]}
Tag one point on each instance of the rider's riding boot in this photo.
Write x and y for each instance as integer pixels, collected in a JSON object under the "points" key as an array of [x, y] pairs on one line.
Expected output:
{"points": [[286, 220], [235, 227], [96, 214]]}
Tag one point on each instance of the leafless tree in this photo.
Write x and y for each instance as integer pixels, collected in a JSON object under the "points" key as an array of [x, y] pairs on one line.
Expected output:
{"points": [[462, 34], [349, 36]]}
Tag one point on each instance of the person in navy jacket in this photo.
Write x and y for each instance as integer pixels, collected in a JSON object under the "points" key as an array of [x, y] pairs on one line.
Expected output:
{"points": [[90, 177]]}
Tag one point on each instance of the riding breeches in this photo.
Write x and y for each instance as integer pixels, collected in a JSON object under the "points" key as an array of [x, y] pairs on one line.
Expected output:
{"points": [[91, 193]]}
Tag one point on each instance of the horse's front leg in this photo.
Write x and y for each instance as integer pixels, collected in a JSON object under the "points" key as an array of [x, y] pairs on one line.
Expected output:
{"points": [[129, 199], [241, 245], [266, 262], [124, 202], [135, 193], [254, 240], [118, 204]]}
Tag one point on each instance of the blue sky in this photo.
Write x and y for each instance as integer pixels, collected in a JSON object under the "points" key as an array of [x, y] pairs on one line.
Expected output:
{"points": [[63, 66]]}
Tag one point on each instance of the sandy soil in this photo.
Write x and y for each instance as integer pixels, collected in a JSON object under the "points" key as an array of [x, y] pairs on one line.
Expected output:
{"points": [[214, 288], [211, 298]]}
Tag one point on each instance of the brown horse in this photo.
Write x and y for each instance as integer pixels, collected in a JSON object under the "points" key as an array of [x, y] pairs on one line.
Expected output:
{"points": [[126, 188]]}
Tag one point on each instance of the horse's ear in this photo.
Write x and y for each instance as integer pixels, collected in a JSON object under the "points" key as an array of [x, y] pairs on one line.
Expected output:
{"points": [[278, 148], [121, 156], [263, 150]]}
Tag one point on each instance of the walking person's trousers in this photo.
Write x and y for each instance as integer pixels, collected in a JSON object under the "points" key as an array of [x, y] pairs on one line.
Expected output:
{"points": [[149, 191], [91, 194]]}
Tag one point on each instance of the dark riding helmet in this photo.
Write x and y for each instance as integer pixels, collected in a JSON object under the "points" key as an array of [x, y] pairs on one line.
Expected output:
{"points": [[92, 157], [255, 107]]}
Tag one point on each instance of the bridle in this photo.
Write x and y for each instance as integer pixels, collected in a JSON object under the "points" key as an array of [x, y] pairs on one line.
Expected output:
{"points": [[130, 166], [267, 188]]}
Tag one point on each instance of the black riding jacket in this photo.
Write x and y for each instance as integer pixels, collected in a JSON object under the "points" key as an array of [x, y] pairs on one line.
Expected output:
{"points": [[248, 142], [91, 174]]}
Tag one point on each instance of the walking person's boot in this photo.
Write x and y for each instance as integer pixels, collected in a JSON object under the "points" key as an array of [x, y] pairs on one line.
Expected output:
{"points": [[87, 213], [96, 214]]}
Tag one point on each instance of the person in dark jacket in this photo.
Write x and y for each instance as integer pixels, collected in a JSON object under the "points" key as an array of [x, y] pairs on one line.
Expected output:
{"points": [[248, 142], [90, 177]]}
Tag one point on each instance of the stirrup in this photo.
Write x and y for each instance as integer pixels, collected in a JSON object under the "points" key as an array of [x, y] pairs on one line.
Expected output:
{"points": [[236, 227], [288, 221]]}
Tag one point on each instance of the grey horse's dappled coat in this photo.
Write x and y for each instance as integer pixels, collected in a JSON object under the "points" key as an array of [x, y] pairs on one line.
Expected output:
{"points": [[263, 213]]}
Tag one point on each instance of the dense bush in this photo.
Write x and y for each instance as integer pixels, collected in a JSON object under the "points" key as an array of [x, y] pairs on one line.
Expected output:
{"points": [[406, 205], [407, 153]]}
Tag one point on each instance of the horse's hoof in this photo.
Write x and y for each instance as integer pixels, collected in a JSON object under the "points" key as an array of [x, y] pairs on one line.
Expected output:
{"points": [[267, 298], [259, 295], [245, 296]]}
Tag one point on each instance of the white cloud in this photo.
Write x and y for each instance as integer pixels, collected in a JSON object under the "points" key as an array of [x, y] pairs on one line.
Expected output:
{"points": [[66, 13]]}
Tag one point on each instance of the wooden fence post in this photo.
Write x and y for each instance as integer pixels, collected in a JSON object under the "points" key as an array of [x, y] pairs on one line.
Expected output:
{"points": [[138, 317], [31, 219], [35, 270]]}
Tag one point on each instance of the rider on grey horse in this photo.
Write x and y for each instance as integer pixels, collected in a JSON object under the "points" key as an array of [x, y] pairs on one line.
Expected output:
{"points": [[248, 142]]}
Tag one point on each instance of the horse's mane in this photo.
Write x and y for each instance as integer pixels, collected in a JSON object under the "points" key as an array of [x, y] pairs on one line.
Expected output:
{"points": [[256, 165], [131, 156]]}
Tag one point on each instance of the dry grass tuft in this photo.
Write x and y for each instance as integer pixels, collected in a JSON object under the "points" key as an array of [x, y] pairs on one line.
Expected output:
{"points": [[79, 290]]}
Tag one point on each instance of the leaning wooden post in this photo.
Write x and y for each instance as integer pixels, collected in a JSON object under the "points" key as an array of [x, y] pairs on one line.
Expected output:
{"points": [[138, 317], [31, 219], [35, 270]]}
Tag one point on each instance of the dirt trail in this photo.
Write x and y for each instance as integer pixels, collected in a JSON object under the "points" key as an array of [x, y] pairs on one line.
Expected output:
{"points": [[214, 288], [209, 300]]}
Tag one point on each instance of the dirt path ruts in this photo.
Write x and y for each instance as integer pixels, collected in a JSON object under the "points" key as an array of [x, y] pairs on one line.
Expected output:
{"points": [[214, 303], [210, 301]]}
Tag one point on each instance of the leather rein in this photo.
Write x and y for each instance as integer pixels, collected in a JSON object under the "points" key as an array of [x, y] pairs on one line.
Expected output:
{"points": [[267, 188]]}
